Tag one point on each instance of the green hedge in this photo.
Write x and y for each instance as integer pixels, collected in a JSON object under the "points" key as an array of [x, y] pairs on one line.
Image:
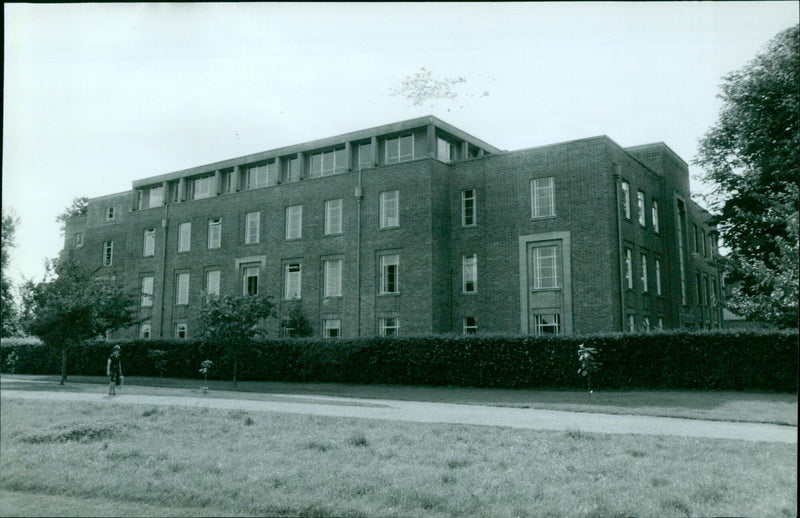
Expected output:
{"points": [[719, 360]]}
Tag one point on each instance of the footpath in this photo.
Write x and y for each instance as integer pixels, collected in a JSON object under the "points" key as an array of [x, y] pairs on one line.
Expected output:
{"points": [[434, 412]]}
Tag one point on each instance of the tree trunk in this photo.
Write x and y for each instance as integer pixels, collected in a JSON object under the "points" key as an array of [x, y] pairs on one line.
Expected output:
{"points": [[63, 364], [234, 370]]}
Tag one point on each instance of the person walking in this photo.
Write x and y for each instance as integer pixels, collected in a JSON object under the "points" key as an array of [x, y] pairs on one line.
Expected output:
{"points": [[114, 371]]}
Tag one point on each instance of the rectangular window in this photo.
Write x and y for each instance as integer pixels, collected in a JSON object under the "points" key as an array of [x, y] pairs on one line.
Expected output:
{"points": [[257, 176], [292, 169], [399, 149], [149, 242], [145, 331], [214, 232], [646, 323], [331, 328], [547, 324], [250, 280], [658, 277], [108, 253], [545, 267], [696, 238], [713, 294], [468, 218], [629, 268], [147, 292], [175, 192], [327, 163], [470, 325], [626, 199], [469, 273], [654, 216], [366, 157], [682, 246], [389, 326], [202, 187], [78, 239], [181, 330], [640, 207], [543, 198], [390, 265], [333, 217], [706, 289], [182, 288], [332, 272], [703, 242], [184, 237], [445, 151], [631, 322], [156, 196], [660, 323], [645, 286], [294, 222], [390, 209], [292, 278], [212, 282], [699, 289], [227, 181], [252, 227], [109, 213]]}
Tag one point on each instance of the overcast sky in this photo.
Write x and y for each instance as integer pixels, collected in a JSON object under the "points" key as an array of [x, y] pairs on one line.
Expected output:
{"points": [[99, 95]]}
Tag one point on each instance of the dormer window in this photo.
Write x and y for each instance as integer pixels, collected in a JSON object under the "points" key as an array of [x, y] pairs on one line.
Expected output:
{"points": [[327, 163], [201, 187], [399, 149]]}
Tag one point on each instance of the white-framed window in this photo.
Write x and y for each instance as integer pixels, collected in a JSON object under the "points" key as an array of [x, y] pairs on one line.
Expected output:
{"points": [[174, 191], [626, 199], [657, 267], [654, 216], [333, 217], [646, 323], [292, 280], [469, 325], [294, 222], [366, 156], [547, 324], [156, 196], [212, 282], [228, 185], [629, 268], [331, 328], [252, 227], [631, 322], [399, 149], [250, 280], [390, 269], [543, 204], [469, 273], [147, 291], [645, 286], [78, 239], [445, 151], [390, 209], [468, 215], [332, 272], [292, 170], [327, 163], [202, 187], [149, 248], [184, 236], [110, 213], [108, 253], [640, 208], [703, 242], [181, 330], [182, 288], [214, 233], [256, 176], [145, 331], [660, 323], [545, 267], [389, 326]]}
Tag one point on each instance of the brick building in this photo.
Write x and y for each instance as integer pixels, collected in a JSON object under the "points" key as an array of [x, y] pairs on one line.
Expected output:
{"points": [[415, 228]]}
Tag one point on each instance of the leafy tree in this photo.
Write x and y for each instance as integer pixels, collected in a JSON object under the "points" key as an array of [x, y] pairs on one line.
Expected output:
{"points": [[298, 326], [73, 304], [232, 323], [751, 159], [79, 207], [9, 306]]}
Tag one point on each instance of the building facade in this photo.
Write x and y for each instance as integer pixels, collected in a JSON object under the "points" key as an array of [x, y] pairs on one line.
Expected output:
{"points": [[417, 228]]}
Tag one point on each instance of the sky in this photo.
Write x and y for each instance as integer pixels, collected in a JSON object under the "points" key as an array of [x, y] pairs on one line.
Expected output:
{"points": [[99, 95]]}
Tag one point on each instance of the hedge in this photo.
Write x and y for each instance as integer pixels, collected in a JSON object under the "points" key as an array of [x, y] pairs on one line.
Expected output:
{"points": [[713, 360]]}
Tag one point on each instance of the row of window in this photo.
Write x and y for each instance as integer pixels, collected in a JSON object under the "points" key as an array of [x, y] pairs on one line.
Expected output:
{"points": [[641, 211], [706, 293]]}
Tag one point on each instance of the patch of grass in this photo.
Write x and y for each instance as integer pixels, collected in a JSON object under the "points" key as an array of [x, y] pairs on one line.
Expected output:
{"points": [[316, 466]]}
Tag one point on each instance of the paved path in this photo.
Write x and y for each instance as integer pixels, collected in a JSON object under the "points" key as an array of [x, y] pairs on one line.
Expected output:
{"points": [[426, 412]]}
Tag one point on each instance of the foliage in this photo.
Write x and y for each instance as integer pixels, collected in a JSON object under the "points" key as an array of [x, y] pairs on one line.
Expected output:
{"points": [[205, 368], [589, 365], [79, 207], [298, 325], [159, 357], [8, 305], [74, 304], [751, 159], [422, 87]]}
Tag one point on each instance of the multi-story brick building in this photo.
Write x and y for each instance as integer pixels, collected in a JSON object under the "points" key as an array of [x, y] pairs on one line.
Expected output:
{"points": [[415, 228]]}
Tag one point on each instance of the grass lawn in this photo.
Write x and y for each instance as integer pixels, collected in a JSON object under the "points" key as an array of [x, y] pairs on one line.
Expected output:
{"points": [[131, 460]]}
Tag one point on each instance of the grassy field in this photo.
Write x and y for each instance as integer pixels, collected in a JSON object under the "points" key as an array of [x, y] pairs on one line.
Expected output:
{"points": [[85, 459]]}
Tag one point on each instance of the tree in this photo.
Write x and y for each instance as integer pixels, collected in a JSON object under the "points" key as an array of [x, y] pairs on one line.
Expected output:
{"points": [[297, 325], [9, 306], [73, 304], [232, 323], [750, 158], [79, 207]]}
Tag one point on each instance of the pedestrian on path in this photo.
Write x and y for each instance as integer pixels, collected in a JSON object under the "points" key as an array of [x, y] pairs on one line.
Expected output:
{"points": [[114, 371]]}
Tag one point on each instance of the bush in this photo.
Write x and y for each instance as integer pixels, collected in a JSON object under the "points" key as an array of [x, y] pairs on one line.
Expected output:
{"points": [[718, 360]]}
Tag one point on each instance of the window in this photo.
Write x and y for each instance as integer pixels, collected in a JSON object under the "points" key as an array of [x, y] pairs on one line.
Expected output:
{"points": [[78, 239], [706, 289], [250, 280], [214, 232], [547, 324], [331, 328], [390, 264], [109, 213], [156, 196], [629, 268], [654, 216], [256, 176], [468, 208], [147, 292], [470, 325], [366, 156], [399, 149], [333, 217], [182, 288], [184, 237], [660, 323], [713, 294], [699, 289], [212, 282], [545, 267], [108, 253], [631, 322], [389, 326], [645, 287], [696, 238], [646, 323], [228, 178], [626, 199], [292, 169], [681, 247], [252, 227], [149, 242], [542, 198], [640, 207], [658, 276], [181, 330], [469, 273], [294, 222], [145, 330], [327, 163], [390, 202], [703, 242], [445, 151], [292, 277], [175, 191], [201, 187], [332, 272]]}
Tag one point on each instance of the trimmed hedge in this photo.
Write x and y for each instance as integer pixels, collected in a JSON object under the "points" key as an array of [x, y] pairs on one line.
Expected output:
{"points": [[718, 360]]}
